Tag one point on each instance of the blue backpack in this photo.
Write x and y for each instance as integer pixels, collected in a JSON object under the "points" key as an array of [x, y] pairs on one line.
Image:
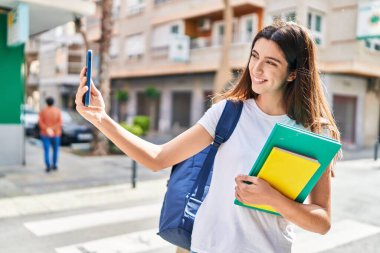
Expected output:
{"points": [[189, 183]]}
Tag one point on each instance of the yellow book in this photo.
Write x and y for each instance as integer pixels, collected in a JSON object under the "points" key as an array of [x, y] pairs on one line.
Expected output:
{"points": [[292, 161], [288, 172]]}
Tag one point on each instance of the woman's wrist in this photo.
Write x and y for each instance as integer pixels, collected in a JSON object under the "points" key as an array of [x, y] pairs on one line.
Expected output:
{"points": [[277, 200], [100, 119]]}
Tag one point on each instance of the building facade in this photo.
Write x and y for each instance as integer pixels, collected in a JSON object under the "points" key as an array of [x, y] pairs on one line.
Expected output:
{"points": [[175, 46]]}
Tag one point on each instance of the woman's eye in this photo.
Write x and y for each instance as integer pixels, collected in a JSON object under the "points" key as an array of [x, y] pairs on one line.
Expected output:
{"points": [[271, 63], [255, 56]]}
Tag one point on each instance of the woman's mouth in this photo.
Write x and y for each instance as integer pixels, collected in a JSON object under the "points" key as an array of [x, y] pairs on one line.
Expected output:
{"points": [[258, 80]]}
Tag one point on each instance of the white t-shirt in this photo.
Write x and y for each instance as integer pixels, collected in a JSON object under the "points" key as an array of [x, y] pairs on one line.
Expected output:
{"points": [[221, 226]]}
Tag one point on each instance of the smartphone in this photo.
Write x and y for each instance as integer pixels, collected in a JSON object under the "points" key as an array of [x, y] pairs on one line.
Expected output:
{"points": [[87, 97]]}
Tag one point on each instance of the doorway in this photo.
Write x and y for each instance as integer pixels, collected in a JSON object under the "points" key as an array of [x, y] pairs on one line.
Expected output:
{"points": [[345, 116]]}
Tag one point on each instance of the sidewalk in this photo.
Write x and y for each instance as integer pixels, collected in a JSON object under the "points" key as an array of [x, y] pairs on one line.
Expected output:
{"points": [[79, 182], [355, 154], [74, 172], [78, 172], [85, 181]]}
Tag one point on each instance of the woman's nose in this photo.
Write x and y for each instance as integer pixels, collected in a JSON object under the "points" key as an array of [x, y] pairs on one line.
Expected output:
{"points": [[258, 67]]}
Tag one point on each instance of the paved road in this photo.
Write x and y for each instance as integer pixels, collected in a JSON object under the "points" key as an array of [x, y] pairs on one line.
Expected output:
{"points": [[66, 212]]}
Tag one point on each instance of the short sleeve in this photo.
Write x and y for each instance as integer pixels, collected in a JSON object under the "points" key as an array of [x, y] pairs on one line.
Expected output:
{"points": [[211, 117]]}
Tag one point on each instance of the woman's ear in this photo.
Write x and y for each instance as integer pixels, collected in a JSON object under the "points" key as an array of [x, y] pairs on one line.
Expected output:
{"points": [[292, 76]]}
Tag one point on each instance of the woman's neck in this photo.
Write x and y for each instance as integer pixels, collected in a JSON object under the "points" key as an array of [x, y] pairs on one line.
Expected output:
{"points": [[271, 105]]}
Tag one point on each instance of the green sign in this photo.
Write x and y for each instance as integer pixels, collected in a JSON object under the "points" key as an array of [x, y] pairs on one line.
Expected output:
{"points": [[368, 23], [11, 77]]}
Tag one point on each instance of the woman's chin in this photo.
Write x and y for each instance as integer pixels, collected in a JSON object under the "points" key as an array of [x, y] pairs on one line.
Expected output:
{"points": [[257, 89]]}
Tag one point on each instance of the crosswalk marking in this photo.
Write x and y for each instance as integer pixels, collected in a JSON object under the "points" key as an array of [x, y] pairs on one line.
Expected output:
{"points": [[136, 242], [80, 198], [88, 220], [341, 233]]}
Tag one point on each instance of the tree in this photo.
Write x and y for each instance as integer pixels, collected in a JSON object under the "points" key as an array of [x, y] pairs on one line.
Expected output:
{"points": [[152, 94], [78, 29], [121, 97], [100, 144], [223, 73]]}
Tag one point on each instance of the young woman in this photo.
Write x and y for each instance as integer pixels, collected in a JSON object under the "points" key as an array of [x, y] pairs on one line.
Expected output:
{"points": [[280, 84]]}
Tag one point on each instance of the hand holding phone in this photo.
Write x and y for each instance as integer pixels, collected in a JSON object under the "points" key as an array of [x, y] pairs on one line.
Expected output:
{"points": [[87, 96]]}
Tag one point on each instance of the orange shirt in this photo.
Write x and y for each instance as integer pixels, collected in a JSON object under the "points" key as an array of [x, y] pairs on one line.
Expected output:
{"points": [[51, 117]]}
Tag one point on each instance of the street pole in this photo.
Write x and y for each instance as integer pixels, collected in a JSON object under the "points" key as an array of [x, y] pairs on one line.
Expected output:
{"points": [[134, 173]]}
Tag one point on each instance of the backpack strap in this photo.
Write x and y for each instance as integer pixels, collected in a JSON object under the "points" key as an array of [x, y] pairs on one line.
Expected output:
{"points": [[224, 129]]}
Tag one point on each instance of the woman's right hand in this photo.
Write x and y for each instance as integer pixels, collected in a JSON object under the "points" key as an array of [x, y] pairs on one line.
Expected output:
{"points": [[95, 112]]}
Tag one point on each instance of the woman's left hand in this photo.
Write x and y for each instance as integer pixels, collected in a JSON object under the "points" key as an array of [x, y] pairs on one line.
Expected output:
{"points": [[256, 192]]}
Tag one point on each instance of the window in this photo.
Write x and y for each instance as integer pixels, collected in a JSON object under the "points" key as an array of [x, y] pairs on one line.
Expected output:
{"points": [[373, 44], [34, 67], [134, 46], [116, 8], [368, 44], [221, 30], [315, 25], [158, 2], [249, 25], [248, 28], [218, 32], [290, 16], [175, 29], [285, 16], [309, 17], [114, 47], [318, 21], [134, 7], [162, 34]]}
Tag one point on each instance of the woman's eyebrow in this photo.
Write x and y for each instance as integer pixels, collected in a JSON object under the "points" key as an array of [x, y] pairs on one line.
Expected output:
{"points": [[267, 57], [274, 59]]}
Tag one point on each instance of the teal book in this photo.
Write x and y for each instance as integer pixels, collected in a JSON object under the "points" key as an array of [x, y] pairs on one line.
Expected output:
{"points": [[292, 161]]}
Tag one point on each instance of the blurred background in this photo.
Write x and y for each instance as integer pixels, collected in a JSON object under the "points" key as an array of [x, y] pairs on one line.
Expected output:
{"points": [[157, 62], [164, 58]]}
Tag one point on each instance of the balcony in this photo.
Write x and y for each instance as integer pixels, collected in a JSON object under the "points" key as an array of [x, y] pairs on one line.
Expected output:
{"points": [[74, 68], [200, 42], [135, 9], [181, 9], [32, 80], [349, 57], [204, 59], [31, 46], [160, 53]]}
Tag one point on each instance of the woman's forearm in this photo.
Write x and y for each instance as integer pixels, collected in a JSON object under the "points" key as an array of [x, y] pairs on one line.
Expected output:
{"points": [[142, 151], [310, 217]]}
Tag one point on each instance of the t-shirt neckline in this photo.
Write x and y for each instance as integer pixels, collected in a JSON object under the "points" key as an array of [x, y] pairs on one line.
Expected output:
{"points": [[277, 118]]}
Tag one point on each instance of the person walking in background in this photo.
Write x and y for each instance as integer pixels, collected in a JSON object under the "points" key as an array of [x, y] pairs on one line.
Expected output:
{"points": [[50, 124]]}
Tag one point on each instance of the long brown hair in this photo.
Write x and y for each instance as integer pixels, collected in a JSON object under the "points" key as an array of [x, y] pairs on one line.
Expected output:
{"points": [[304, 98]]}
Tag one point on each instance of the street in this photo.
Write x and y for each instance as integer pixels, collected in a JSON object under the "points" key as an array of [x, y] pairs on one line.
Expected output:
{"points": [[94, 209]]}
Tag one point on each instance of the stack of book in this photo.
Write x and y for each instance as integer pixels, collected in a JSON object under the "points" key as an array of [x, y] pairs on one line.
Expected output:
{"points": [[292, 161]]}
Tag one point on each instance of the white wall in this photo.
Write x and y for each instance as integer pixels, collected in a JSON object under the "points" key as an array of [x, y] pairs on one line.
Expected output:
{"points": [[13, 152], [371, 119]]}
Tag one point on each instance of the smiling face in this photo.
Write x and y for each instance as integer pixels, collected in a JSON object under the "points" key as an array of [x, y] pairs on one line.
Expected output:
{"points": [[268, 68]]}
